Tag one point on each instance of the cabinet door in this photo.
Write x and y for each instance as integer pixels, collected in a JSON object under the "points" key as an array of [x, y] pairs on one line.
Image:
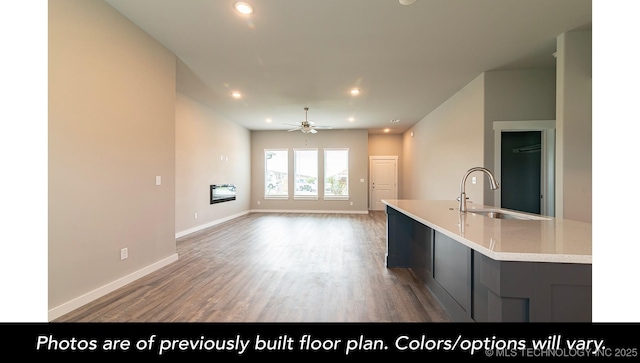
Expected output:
{"points": [[452, 269], [421, 257]]}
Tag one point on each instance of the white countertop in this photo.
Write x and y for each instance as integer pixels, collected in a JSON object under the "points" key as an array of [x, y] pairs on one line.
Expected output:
{"points": [[540, 240]]}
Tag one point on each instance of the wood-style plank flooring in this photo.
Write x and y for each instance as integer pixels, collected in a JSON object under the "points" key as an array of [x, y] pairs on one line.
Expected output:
{"points": [[271, 267]]}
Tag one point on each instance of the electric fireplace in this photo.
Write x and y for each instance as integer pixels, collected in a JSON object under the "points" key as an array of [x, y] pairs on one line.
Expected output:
{"points": [[222, 193]]}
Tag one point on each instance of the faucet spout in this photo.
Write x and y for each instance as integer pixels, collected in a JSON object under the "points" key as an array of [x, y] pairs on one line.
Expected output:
{"points": [[463, 195]]}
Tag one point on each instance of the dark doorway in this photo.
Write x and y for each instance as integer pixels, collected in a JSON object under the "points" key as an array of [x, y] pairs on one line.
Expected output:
{"points": [[521, 163]]}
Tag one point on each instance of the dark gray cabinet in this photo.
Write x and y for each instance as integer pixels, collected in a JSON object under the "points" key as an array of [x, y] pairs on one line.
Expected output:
{"points": [[452, 272], [422, 251], [473, 287], [531, 291], [400, 228]]}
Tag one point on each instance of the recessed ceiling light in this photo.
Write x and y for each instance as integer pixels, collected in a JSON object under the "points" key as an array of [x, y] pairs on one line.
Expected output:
{"points": [[355, 91], [395, 121], [351, 119], [236, 94], [407, 2], [268, 120], [386, 130], [243, 8]]}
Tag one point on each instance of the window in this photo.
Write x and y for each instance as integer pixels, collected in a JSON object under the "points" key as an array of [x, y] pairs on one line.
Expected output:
{"points": [[336, 174], [276, 173], [305, 174]]}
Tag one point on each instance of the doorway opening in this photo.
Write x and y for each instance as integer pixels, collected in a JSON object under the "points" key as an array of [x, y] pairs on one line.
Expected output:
{"points": [[525, 165], [520, 179]]}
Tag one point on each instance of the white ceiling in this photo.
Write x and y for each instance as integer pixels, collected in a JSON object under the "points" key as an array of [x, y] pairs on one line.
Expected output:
{"points": [[292, 54]]}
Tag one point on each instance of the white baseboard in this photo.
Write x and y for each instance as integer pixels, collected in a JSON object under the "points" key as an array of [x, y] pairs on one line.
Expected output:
{"points": [[210, 224], [309, 211], [101, 291]]}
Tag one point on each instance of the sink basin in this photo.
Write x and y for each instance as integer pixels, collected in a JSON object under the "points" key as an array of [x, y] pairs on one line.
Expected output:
{"points": [[502, 214]]}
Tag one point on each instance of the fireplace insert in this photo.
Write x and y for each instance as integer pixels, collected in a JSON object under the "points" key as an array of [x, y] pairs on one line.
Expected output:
{"points": [[222, 193]]}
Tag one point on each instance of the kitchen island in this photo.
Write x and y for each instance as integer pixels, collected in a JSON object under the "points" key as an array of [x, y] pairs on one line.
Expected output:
{"points": [[527, 268]]}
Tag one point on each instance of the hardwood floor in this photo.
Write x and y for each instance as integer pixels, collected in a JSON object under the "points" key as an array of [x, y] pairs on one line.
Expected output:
{"points": [[269, 267]]}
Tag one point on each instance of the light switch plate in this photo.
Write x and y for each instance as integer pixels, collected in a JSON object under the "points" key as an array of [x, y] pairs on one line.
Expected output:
{"points": [[158, 180]]}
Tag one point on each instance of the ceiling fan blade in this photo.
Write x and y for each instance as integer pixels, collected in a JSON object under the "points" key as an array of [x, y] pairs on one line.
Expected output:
{"points": [[323, 127], [313, 131], [293, 129]]}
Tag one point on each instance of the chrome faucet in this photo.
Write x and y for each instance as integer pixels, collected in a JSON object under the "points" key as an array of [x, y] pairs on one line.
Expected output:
{"points": [[463, 195]]}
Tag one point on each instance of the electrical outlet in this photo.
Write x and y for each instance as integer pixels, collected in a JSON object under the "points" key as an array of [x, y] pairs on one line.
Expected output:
{"points": [[124, 254], [351, 203], [258, 202], [473, 180], [195, 215]]}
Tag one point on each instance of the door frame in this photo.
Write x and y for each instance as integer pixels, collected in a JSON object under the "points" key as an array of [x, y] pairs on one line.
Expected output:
{"points": [[395, 182], [547, 158]]}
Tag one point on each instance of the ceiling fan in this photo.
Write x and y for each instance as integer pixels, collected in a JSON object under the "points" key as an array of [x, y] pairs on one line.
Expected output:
{"points": [[306, 126]]}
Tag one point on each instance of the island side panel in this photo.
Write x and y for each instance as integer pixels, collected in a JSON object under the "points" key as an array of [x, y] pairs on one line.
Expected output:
{"points": [[563, 292], [452, 265], [502, 291], [399, 236], [422, 252], [509, 291]]}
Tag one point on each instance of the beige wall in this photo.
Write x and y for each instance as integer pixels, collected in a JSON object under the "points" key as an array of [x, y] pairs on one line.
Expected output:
{"points": [[515, 95], [111, 132], [459, 134], [445, 144], [385, 145], [209, 150], [355, 140], [574, 129]]}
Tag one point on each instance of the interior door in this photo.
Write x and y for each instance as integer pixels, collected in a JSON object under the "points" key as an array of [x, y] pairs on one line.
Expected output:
{"points": [[383, 172]]}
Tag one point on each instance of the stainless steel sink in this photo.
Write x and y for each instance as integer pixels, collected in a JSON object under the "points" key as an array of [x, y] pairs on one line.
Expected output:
{"points": [[502, 214]]}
